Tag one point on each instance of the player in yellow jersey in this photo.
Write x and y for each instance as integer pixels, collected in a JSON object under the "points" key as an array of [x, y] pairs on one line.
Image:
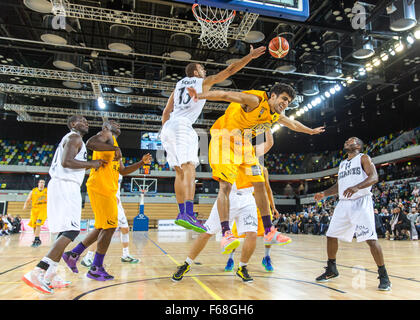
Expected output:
{"points": [[249, 114], [102, 187], [38, 198]]}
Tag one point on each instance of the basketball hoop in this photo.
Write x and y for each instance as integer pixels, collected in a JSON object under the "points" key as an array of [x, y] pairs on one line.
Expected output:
{"points": [[214, 25]]}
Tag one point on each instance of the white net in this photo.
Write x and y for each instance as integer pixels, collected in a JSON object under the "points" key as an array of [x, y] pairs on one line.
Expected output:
{"points": [[214, 25]]}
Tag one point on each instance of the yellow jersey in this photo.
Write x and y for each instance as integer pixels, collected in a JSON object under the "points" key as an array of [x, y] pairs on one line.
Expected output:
{"points": [[39, 198], [257, 121], [105, 179]]}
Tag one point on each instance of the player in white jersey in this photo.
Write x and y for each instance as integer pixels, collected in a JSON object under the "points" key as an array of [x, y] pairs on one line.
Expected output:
{"points": [[180, 140], [242, 210], [354, 212], [64, 203]]}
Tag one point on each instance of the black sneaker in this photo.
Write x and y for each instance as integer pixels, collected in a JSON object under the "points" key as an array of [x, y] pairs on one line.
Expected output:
{"points": [[182, 270], [384, 283], [242, 273], [329, 273]]}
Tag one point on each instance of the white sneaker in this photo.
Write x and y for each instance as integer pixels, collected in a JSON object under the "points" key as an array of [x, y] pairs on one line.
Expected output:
{"points": [[58, 282], [35, 279], [87, 262]]}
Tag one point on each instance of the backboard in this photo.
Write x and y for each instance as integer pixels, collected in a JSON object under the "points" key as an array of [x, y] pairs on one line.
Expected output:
{"points": [[297, 10]]}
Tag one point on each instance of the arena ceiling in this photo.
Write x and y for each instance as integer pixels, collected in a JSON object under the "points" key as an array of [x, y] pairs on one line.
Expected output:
{"points": [[44, 82]]}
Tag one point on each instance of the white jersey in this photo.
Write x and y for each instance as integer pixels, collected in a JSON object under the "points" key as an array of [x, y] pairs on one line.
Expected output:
{"points": [[351, 173], [57, 171], [184, 105], [120, 178]]}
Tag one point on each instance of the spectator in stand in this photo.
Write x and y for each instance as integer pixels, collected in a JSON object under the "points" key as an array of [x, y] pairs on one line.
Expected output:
{"points": [[301, 222], [324, 222], [316, 219], [412, 217], [380, 230], [415, 192], [418, 225], [308, 224], [399, 224], [282, 224]]}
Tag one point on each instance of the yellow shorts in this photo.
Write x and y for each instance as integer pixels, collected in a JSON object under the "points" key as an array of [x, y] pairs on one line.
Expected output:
{"points": [[228, 160], [105, 209], [38, 216], [260, 232]]}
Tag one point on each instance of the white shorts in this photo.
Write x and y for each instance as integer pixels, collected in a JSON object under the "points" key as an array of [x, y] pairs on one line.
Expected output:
{"points": [[64, 205], [122, 219], [180, 142], [353, 217], [243, 210]]}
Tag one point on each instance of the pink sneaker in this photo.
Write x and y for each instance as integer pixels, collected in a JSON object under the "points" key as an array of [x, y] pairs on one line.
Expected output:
{"points": [[275, 237], [229, 242]]}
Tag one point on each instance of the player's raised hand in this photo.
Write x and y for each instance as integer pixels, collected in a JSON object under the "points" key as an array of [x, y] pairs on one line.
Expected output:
{"points": [[193, 93], [255, 53], [147, 158], [318, 130], [319, 196]]}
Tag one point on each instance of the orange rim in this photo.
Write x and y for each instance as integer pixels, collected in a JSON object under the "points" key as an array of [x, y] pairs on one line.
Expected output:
{"points": [[208, 20]]}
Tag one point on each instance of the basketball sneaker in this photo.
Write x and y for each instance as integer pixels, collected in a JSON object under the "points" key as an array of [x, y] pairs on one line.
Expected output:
{"points": [[229, 265], [36, 243], [35, 279], [330, 273], [242, 273], [86, 262], [266, 262], [71, 258], [229, 242], [190, 222], [275, 237], [182, 220], [182, 270], [130, 259], [99, 274], [58, 282], [384, 283]]}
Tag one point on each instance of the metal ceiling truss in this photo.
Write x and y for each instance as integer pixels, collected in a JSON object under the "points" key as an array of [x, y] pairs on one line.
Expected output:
{"points": [[71, 10], [89, 95], [92, 123], [92, 113]]}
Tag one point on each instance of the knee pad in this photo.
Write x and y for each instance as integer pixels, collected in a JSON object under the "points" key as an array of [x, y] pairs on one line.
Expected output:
{"points": [[69, 234], [125, 237]]}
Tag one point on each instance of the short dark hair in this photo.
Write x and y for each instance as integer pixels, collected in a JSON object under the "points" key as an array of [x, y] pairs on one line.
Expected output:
{"points": [[73, 118], [279, 88], [359, 142], [190, 68]]}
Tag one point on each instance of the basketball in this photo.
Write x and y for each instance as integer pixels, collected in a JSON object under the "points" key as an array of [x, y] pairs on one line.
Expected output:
{"points": [[278, 47]]}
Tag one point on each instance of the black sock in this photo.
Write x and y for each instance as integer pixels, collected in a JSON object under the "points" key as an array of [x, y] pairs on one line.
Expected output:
{"points": [[225, 227], [37, 238], [382, 270]]}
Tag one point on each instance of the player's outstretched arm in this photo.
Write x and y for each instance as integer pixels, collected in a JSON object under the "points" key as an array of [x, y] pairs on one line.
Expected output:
{"points": [[246, 99], [147, 159], [168, 109], [233, 68], [329, 192], [71, 149], [372, 177], [27, 201], [298, 126]]}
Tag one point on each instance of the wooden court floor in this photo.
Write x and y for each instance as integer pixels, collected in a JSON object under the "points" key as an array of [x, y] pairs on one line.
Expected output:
{"points": [[295, 267]]}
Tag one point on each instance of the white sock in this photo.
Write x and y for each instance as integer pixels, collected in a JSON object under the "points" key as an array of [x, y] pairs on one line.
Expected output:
{"points": [[242, 264], [267, 251], [231, 254], [126, 252], [90, 255], [189, 261], [52, 269]]}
